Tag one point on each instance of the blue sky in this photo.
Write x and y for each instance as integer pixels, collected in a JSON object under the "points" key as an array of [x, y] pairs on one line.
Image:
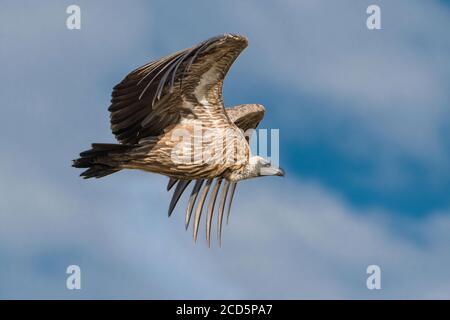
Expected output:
{"points": [[364, 138]]}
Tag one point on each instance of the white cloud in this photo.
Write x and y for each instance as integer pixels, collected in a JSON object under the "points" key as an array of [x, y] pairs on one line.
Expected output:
{"points": [[378, 90], [287, 239], [305, 243]]}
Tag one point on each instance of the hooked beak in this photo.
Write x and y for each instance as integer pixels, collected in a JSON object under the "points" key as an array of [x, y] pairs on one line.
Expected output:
{"points": [[280, 172], [272, 171]]}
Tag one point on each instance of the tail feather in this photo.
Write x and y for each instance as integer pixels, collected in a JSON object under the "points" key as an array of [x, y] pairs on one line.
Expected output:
{"points": [[100, 160], [98, 171]]}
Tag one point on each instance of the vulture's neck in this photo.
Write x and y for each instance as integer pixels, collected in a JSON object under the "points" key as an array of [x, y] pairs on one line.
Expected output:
{"points": [[247, 171]]}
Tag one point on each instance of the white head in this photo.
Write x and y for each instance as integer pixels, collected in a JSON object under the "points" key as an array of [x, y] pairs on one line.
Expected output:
{"points": [[256, 167]]}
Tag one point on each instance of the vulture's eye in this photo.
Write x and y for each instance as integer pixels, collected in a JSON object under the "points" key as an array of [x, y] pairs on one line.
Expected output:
{"points": [[266, 163]]}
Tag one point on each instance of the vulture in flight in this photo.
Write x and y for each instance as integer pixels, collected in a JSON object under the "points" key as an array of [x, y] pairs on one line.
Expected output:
{"points": [[169, 118]]}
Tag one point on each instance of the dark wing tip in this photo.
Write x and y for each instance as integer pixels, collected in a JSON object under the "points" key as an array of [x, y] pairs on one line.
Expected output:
{"points": [[181, 186], [235, 37], [235, 40], [260, 108], [171, 183]]}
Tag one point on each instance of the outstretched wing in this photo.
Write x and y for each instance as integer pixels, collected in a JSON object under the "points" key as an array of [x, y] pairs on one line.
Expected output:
{"points": [[246, 116], [160, 93]]}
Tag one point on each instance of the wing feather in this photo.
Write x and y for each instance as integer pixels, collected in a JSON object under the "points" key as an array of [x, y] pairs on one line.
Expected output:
{"points": [[181, 186], [245, 117], [211, 204], [192, 199], [230, 200], [154, 96], [171, 183], [223, 199], [198, 211]]}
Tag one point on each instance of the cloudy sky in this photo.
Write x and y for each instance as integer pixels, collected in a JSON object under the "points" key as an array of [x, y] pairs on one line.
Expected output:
{"points": [[364, 138]]}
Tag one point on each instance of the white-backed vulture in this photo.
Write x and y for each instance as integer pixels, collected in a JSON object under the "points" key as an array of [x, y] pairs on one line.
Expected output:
{"points": [[180, 96]]}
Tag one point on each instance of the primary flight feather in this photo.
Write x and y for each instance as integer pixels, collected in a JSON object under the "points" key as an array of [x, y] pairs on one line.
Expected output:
{"points": [[168, 117]]}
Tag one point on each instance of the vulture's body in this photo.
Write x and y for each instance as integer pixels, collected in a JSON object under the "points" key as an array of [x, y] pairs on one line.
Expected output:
{"points": [[169, 118]]}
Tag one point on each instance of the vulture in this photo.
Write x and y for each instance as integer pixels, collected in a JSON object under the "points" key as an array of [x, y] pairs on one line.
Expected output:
{"points": [[169, 118]]}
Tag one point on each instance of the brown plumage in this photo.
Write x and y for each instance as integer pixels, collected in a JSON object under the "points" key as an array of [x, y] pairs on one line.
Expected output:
{"points": [[169, 118]]}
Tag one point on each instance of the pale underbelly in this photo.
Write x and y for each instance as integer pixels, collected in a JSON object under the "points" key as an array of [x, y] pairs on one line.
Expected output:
{"points": [[192, 163]]}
